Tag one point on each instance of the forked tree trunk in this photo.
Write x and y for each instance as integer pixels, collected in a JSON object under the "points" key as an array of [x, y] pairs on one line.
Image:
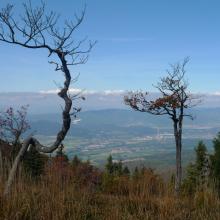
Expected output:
{"points": [[15, 166], [60, 135]]}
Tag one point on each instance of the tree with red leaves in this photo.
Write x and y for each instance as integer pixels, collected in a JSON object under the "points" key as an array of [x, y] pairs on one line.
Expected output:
{"points": [[175, 101]]}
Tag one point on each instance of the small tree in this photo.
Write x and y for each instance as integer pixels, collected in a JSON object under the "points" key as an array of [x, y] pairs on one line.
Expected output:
{"points": [[114, 168], [202, 163], [126, 171], [136, 173], [190, 181], [174, 101], [37, 29], [110, 165], [13, 124], [34, 162], [215, 162], [75, 161], [197, 173]]}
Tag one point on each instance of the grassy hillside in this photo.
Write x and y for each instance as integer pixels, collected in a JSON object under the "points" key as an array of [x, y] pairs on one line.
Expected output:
{"points": [[84, 192]]}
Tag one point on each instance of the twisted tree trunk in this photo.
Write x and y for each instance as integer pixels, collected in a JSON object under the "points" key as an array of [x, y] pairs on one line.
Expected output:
{"points": [[61, 134], [38, 29]]}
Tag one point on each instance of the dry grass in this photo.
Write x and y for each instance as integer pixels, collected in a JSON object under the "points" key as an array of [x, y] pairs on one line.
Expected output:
{"points": [[84, 193]]}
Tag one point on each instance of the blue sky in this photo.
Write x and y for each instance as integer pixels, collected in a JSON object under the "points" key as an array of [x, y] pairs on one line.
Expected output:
{"points": [[136, 42]]}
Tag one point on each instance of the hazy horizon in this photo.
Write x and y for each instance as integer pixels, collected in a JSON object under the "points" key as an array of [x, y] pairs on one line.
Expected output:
{"points": [[49, 101]]}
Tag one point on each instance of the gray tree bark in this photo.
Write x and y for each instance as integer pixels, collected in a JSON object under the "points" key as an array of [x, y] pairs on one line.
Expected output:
{"points": [[61, 134], [178, 142], [38, 30]]}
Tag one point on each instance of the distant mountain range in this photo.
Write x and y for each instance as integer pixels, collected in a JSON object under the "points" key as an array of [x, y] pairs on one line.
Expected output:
{"points": [[48, 101], [119, 121]]}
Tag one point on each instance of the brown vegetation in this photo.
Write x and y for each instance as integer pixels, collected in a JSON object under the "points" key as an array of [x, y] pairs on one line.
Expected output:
{"points": [[80, 191]]}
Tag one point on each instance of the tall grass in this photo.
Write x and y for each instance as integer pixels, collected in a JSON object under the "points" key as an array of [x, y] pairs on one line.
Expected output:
{"points": [[83, 192]]}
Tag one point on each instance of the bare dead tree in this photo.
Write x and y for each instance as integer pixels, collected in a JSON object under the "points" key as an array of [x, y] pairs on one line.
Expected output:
{"points": [[13, 123], [37, 29], [175, 101]]}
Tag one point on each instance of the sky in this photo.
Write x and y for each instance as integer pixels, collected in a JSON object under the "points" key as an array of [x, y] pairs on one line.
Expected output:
{"points": [[137, 40]]}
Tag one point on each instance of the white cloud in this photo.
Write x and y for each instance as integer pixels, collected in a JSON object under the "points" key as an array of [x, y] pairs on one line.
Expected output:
{"points": [[113, 92], [48, 101], [49, 91], [55, 91], [86, 92], [217, 93]]}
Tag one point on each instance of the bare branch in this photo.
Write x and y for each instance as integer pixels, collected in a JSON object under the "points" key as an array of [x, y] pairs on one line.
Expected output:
{"points": [[175, 99], [38, 29]]}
